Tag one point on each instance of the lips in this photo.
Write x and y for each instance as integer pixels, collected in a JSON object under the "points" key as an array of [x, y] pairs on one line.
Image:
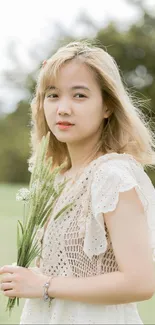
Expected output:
{"points": [[64, 123]]}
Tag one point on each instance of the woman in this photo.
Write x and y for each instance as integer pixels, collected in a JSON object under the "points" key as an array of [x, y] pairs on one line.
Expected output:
{"points": [[97, 259]]}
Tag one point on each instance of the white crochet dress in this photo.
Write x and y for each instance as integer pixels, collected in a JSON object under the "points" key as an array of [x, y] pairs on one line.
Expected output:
{"points": [[78, 244]]}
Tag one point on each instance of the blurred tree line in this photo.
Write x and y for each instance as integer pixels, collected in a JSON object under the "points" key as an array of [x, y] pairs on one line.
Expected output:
{"points": [[134, 52]]}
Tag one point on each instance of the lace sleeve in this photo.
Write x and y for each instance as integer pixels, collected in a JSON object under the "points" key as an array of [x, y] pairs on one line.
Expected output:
{"points": [[109, 180]]}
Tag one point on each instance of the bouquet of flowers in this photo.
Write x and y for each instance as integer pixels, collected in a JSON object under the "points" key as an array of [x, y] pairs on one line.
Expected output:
{"points": [[39, 200]]}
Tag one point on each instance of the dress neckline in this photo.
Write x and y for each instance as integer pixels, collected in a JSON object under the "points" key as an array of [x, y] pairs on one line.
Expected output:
{"points": [[97, 161], [88, 166]]}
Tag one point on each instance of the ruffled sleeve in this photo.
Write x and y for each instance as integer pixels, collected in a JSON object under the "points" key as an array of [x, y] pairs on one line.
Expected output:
{"points": [[118, 174]]}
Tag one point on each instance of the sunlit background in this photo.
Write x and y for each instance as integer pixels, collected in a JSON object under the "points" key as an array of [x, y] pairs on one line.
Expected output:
{"points": [[30, 31]]}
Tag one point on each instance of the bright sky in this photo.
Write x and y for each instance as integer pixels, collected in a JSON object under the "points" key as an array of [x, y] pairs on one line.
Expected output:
{"points": [[27, 21]]}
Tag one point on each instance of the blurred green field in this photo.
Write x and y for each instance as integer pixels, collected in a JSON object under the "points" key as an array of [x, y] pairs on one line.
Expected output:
{"points": [[10, 211]]}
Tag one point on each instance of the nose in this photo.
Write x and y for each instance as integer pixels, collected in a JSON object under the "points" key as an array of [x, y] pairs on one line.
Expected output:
{"points": [[64, 107]]}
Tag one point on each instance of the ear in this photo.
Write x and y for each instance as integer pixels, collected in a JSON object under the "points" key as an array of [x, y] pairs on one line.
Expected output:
{"points": [[106, 112]]}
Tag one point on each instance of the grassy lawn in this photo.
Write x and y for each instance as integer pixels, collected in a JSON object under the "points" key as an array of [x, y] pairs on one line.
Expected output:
{"points": [[10, 211]]}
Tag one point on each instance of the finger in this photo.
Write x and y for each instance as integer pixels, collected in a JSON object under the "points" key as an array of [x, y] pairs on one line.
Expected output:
{"points": [[6, 286], [7, 278], [9, 293], [8, 269]]}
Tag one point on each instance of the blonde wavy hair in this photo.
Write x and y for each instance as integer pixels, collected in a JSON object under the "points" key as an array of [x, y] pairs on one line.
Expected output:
{"points": [[126, 130]]}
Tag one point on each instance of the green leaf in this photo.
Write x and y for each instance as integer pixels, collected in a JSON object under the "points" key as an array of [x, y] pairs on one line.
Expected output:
{"points": [[63, 209], [21, 226], [18, 236]]}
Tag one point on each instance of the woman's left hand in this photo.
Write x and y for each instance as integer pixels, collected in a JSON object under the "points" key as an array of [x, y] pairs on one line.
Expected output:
{"points": [[21, 282]]}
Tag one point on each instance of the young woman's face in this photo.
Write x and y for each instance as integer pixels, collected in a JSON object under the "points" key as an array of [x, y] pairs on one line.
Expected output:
{"points": [[75, 97]]}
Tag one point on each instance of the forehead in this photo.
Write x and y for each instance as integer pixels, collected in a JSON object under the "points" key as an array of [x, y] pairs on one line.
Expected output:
{"points": [[71, 73], [73, 68]]}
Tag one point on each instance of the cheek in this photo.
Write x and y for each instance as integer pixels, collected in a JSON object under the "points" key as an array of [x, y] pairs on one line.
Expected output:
{"points": [[49, 112], [94, 114], [50, 119], [93, 120]]}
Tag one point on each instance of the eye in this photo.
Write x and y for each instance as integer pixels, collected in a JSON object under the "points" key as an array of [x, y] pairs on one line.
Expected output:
{"points": [[79, 95], [52, 96]]}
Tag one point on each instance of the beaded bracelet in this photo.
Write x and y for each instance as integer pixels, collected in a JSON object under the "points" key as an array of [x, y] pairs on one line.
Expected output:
{"points": [[46, 297]]}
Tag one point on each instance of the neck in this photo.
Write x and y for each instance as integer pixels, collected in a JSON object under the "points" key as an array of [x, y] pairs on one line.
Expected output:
{"points": [[81, 157]]}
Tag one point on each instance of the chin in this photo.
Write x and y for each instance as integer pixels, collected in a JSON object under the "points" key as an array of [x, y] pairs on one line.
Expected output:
{"points": [[65, 138]]}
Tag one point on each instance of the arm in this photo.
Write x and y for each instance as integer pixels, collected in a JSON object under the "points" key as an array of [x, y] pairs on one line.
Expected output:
{"points": [[135, 280]]}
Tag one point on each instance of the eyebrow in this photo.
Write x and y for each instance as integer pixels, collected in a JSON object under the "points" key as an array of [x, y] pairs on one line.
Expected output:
{"points": [[73, 88]]}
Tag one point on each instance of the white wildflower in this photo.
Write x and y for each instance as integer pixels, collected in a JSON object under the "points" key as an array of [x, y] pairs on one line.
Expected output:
{"points": [[31, 167], [36, 185], [31, 163], [23, 194], [14, 264]]}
